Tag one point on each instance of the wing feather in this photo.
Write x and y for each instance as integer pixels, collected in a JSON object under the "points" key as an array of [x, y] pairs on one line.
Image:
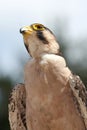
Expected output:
{"points": [[17, 107], [80, 94]]}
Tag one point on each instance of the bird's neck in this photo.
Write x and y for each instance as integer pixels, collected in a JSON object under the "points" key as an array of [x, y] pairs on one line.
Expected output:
{"points": [[49, 57]]}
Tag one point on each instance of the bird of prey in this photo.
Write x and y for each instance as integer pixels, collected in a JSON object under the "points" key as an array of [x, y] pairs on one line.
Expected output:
{"points": [[52, 97]]}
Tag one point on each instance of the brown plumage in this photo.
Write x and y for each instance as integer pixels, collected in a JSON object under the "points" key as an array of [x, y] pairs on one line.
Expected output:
{"points": [[17, 108], [55, 98]]}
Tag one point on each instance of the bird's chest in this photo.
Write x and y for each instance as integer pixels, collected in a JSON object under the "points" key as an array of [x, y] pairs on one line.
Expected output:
{"points": [[43, 91], [41, 83], [45, 77], [42, 87], [47, 100]]}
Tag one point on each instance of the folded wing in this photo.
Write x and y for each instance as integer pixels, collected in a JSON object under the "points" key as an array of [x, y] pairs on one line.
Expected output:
{"points": [[17, 108], [80, 94]]}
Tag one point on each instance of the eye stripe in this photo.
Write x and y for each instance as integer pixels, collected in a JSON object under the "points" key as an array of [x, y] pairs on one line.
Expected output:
{"points": [[41, 37], [49, 30]]}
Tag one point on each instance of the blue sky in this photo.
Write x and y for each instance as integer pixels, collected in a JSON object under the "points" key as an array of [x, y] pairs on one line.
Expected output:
{"points": [[16, 13]]}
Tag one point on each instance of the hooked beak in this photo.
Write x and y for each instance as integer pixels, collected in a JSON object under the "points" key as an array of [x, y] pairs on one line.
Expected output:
{"points": [[26, 30]]}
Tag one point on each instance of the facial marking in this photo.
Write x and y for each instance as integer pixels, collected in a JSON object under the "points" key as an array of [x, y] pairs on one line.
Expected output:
{"points": [[41, 37]]}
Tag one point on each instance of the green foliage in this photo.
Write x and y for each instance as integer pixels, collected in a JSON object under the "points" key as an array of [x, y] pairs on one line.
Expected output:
{"points": [[5, 88]]}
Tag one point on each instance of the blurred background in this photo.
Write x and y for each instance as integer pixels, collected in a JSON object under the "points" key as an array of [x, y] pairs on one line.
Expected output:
{"points": [[66, 18]]}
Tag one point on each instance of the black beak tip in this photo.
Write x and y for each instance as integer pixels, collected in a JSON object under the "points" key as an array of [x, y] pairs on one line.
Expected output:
{"points": [[20, 30]]}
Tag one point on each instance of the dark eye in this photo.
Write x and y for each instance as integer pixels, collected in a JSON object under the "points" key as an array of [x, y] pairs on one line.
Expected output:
{"points": [[38, 27]]}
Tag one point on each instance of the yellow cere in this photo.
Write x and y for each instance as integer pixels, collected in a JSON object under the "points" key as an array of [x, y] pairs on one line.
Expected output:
{"points": [[38, 27], [27, 29]]}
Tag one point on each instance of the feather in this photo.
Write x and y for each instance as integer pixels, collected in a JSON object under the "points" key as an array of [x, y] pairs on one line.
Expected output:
{"points": [[17, 108]]}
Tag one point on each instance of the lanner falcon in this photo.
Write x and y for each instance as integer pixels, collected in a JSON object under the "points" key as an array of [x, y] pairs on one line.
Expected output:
{"points": [[52, 97]]}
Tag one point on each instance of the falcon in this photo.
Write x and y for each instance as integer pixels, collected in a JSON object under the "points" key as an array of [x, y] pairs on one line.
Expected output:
{"points": [[52, 97]]}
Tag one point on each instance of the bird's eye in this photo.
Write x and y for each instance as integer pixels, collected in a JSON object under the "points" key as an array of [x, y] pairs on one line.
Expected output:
{"points": [[38, 27]]}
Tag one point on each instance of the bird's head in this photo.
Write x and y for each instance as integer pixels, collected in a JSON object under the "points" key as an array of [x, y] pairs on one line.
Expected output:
{"points": [[38, 40]]}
